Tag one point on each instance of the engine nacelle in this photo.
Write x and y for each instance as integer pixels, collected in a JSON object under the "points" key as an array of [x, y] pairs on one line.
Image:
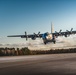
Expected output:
{"points": [[33, 38], [66, 35]]}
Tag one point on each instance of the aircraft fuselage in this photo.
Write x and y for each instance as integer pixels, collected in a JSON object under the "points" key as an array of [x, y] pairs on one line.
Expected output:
{"points": [[47, 37]]}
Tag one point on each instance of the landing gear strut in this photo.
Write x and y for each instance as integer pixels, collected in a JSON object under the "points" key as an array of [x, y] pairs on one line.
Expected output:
{"points": [[45, 43], [54, 41]]}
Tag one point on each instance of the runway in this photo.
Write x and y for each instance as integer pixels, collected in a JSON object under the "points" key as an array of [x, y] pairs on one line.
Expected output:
{"points": [[52, 64]]}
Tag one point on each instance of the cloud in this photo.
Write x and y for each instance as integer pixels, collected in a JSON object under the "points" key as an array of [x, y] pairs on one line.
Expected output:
{"points": [[62, 42], [38, 44]]}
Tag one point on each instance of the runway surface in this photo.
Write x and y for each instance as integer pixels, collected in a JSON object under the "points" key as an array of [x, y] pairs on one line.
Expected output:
{"points": [[52, 64]]}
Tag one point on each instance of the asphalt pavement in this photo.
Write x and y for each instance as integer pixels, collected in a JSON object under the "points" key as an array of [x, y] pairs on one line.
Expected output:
{"points": [[51, 64]]}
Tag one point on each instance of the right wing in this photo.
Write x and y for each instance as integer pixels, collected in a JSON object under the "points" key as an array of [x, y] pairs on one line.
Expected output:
{"points": [[32, 36]]}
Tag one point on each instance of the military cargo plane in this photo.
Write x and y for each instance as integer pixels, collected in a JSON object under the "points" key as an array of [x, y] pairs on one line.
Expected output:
{"points": [[47, 37]]}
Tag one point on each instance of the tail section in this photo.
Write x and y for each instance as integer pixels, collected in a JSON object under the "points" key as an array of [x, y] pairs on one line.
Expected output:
{"points": [[52, 28]]}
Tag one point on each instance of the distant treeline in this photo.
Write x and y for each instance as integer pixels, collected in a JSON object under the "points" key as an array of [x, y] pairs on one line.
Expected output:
{"points": [[55, 51], [13, 52], [25, 51]]}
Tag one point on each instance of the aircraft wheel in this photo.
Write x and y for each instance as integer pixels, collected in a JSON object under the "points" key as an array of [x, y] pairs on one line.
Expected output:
{"points": [[45, 43], [54, 41]]}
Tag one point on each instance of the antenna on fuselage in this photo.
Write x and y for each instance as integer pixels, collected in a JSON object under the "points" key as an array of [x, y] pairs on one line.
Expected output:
{"points": [[52, 28]]}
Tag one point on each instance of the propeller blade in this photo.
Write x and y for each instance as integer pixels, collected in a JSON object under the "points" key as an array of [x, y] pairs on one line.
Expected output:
{"points": [[39, 32], [71, 30], [26, 35], [34, 33], [56, 32], [60, 31]]}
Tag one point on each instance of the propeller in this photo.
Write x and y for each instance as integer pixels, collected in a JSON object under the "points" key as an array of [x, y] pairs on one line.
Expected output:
{"points": [[34, 36], [68, 32], [71, 30], [26, 35], [37, 34], [58, 33]]}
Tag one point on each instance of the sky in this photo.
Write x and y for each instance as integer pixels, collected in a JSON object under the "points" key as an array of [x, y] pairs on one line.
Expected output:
{"points": [[18, 16]]}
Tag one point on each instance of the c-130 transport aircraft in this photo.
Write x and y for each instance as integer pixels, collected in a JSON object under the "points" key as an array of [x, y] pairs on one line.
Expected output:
{"points": [[47, 37]]}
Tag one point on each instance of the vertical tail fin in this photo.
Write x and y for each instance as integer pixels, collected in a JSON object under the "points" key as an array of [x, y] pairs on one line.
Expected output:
{"points": [[52, 28]]}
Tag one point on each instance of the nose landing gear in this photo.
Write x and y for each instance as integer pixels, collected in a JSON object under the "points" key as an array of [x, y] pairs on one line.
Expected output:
{"points": [[54, 41]]}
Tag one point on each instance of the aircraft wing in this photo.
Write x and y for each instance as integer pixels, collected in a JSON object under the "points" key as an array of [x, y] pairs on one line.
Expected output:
{"points": [[24, 36], [17, 36], [67, 33], [33, 36]]}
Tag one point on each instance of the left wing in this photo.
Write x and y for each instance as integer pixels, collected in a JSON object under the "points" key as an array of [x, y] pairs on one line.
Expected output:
{"points": [[66, 33]]}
